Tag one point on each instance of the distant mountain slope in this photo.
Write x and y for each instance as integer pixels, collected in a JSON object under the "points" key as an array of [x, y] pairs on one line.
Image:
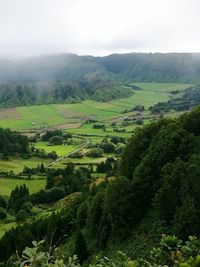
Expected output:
{"points": [[138, 67], [23, 94], [157, 67], [71, 78]]}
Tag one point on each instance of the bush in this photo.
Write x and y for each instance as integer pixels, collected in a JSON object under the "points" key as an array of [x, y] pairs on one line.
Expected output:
{"points": [[48, 196], [77, 155], [120, 148], [95, 153], [99, 126], [56, 140], [50, 134], [52, 155], [107, 147]]}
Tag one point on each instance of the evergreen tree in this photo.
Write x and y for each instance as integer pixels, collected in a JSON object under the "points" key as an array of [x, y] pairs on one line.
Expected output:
{"points": [[80, 248]]}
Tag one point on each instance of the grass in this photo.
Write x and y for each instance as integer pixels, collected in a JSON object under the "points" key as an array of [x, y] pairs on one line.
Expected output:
{"points": [[85, 160], [8, 184], [32, 117], [40, 116], [88, 129], [17, 164], [60, 150], [162, 87]]}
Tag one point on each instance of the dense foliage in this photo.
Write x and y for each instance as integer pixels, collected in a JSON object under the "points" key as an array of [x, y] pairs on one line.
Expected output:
{"points": [[12, 143], [170, 252], [71, 78], [139, 67], [22, 94], [189, 99], [156, 191]]}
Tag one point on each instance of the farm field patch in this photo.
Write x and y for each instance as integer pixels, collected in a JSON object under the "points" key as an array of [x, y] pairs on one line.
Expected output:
{"points": [[17, 164], [9, 184], [44, 116]]}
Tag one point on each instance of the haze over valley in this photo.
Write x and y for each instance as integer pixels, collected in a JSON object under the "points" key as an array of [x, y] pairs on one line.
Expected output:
{"points": [[99, 133]]}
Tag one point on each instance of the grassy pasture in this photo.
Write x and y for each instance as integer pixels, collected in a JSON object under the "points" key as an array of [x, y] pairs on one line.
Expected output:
{"points": [[162, 87], [17, 164], [32, 117], [85, 160], [88, 129], [8, 184], [60, 150]]}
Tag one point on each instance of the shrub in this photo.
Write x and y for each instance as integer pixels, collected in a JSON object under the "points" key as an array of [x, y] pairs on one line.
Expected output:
{"points": [[95, 153], [56, 140]]}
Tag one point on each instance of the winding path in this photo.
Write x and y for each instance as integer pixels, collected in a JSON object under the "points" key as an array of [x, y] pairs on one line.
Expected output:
{"points": [[87, 142]]}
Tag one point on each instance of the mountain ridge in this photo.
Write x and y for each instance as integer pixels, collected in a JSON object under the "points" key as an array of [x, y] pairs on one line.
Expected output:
{"points": [[149, 67]]}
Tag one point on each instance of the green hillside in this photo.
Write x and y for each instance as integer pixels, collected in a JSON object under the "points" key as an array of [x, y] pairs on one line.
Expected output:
{"points": [[38, 116], [153, 190], [69, 78]]}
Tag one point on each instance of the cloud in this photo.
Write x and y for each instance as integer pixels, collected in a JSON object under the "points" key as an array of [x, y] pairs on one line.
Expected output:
{"points": [[98, 27]]}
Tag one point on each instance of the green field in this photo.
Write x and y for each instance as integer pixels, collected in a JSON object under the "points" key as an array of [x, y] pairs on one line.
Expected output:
{"points": [[60, 150], [8, 184], [40, 116], [162, 87], [85, 161], [17, 165], [87, 129], [62, 116]]}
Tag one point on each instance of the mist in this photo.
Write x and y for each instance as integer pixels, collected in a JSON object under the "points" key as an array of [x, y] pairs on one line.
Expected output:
{"points": [[97, 27]]}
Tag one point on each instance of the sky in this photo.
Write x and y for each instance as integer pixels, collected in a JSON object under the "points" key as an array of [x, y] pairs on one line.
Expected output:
{"points": [[98, 27]]}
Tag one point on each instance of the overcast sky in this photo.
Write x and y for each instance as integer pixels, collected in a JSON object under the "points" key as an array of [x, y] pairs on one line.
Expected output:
{"points": [[98, 27]]}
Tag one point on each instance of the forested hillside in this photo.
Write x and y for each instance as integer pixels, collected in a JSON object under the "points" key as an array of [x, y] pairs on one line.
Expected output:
{"points": [[189, 100], [72, 78], [154, 191], [138, 67], [23, 94]]}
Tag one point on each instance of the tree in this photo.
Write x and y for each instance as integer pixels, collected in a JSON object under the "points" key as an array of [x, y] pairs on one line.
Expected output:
{"points": [[107, 147], [119, 206], [95, 153], [21, 215], [3, 213], [56, 140], [42, 168], [18, 197], [27, 206], [3, 203], [104, 167], [80, 248], [120, 148]]}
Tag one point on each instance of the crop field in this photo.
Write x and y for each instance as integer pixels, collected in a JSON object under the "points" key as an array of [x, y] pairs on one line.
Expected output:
{"points": [[36, 117], [8, 184]]}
